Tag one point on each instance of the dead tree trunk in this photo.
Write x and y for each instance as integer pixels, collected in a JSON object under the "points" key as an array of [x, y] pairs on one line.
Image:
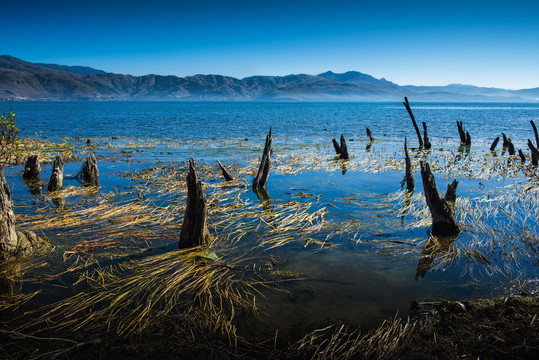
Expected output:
{"points": [[225, 173], [535, 153], [535, 133], [195, 223], [462, 134], [407, 106], [32, 168], [369, 134], [426, 141], [264, 169], [8, 235], [90, 172], [441, 209], [57, 176], [494, 143], [344, 149], [410, 183]]}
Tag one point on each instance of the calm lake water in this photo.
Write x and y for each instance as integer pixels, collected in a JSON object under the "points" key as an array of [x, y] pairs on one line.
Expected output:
{"points": [[373, 268]]}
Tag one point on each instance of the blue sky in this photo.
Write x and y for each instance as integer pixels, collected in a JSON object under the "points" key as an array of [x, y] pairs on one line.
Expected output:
{"points": [[485, 43]]}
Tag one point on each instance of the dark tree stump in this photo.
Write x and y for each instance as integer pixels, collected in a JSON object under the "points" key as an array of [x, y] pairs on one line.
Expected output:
{"points": [[521, 155], [426, 141], [505, 141], [261, 177], [32, 168], [224, 172], [494, 143], [90, 172], [344, 149], [195, 221], [510, 147], [369, 134], [57, 176], [8, 235], [535, 133], [336, 146], [407, 106], [410, 182], [535, 152], [441, 209], [468, 140], [462, 134]]}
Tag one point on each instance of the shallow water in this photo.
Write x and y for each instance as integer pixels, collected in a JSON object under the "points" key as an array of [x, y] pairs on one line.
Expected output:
{"points": [[368, 268]]}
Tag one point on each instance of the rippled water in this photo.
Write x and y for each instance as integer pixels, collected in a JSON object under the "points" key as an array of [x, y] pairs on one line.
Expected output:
{"points": [[373, 270]]}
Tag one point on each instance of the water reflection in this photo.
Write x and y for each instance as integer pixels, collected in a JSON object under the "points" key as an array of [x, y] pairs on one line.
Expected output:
{"points": [[264, 197], [35, 186], [435, 246]]}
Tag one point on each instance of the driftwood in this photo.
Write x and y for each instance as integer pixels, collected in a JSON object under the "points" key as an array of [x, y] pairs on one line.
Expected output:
{"points": [[341, 149], [8, 236], [535, 133], [369, 134], [494, 143], [426, 141], [195, 223], [441, 209], [410, 182], [90, 172], [535, 152], [407, 106], [32, 168], [225, 173], [261, 177], [57, 176]]}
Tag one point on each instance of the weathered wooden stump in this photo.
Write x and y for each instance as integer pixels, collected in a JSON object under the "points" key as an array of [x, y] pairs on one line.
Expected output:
{"points": [[441, 209], [369, 134], [344, 149], [510, 147], [195, 223], [336, 146], [261, 177], [32, 168], [494, 143], [90, 172], [224, 172], [521, 155], [505, 142], [534, 151], [462, 134], [535, 133], [8, 236], [426, 140], [468, 139], [410, 182], [407, 106], [57, 177]]}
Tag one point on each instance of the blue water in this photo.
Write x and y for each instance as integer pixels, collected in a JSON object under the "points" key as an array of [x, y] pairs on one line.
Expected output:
{"points": [[371, 273]]}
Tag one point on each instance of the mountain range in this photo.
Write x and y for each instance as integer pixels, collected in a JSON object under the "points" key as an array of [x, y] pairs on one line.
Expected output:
{"points": [[22, 80]]}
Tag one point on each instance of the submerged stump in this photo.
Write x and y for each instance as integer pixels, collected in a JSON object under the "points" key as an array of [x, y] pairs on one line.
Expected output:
{"points": [[32, 168], [90, 172], [407, 106], [261, 177], [224, 172], [195, 223], [426, 140], [494, 143], [441, 209], [369, 134], [410, 182], [57, 176]]}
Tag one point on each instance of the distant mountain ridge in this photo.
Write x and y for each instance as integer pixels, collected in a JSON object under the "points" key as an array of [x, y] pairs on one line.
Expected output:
{"points": [[21, 80]]}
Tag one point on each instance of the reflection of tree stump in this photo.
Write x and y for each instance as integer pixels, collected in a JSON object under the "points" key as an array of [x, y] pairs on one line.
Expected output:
{"points": [[441, 209], [410, 183], [261, 177], [225, 173], [8, 236], [32, 168], [434, 247], [90, 172], [57, 176], [195, 224], [407, 106]]}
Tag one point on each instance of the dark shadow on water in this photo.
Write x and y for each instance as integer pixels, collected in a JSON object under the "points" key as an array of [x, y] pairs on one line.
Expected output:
{"points": [[344, 166], [368, 147], [35, 186], [58, 199], [435, 246], [407, 199], [264, 197]]}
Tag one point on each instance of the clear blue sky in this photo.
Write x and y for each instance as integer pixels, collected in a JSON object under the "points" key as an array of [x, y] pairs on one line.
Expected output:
{"points": [[486, 43]]}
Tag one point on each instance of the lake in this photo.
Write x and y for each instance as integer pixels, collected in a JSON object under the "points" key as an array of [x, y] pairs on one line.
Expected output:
{"points": [[336, 241]]}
